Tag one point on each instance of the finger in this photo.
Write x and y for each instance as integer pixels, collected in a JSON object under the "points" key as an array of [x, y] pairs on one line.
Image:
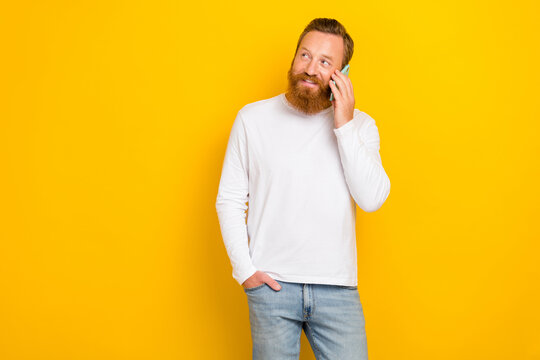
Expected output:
{"points": [[348, 84], [340, 84], [343, 82], [335, 91], [273, 283]]}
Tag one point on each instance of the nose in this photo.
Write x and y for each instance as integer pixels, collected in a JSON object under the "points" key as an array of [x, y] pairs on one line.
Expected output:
{"points": [[311, 68]]}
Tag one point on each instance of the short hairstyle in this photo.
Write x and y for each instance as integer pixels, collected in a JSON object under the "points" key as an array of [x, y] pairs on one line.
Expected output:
{"points": [[330, 26]]}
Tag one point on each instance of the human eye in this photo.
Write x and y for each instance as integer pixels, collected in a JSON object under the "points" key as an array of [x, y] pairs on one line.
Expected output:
{"points": [[327, 63], [304, 54]]}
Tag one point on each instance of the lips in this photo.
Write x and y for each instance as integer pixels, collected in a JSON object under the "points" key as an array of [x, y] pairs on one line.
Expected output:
{"points": [[307, 83]]}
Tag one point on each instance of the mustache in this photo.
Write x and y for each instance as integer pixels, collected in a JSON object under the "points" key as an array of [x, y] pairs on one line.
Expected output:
{"points": [[304, 77]]}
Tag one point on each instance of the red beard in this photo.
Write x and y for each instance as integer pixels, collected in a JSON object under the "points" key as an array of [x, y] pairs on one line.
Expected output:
{"points": [[306, 99]]}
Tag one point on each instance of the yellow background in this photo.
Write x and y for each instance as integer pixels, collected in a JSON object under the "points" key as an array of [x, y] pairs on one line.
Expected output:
{"points": [[114, 119]]}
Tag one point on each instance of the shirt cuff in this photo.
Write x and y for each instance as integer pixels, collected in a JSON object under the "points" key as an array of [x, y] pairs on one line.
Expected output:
{"points": [[244, 276], [350, 128]]}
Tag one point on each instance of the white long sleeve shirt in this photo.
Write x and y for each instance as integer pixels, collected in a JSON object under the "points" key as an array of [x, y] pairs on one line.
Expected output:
{"points": [[301, 178]]}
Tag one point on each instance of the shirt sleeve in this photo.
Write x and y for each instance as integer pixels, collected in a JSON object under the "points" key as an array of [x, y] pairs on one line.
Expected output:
{"points": [[358, 145], [233, 193]]}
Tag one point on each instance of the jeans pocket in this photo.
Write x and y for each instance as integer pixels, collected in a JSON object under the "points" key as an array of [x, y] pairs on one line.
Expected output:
{"points": [[254, 288]]}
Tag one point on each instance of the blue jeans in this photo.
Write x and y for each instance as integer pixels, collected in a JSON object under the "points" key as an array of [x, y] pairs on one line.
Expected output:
{"points": [[330, 315]]}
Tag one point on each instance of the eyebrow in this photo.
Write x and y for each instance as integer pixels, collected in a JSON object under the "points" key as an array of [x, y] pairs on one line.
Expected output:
{"points": [[323, 55]]}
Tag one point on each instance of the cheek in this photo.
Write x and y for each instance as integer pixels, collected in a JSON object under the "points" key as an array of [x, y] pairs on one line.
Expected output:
{"points": [[326, 79], [298, 68]]}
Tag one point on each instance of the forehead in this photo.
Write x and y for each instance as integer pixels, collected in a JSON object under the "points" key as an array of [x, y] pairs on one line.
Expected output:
{"points": [[319, 43]]}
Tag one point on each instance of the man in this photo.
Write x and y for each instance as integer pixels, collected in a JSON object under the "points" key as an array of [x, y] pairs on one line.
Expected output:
{"points": [[302, 162]]}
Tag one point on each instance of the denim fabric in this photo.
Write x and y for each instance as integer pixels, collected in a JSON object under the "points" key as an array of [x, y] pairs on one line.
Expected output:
{"points": [[330, 315]]}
